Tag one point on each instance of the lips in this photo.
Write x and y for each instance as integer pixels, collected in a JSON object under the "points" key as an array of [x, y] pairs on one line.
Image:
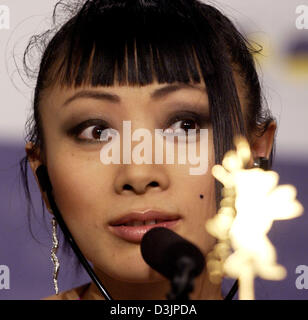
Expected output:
{"points": [[132, 226], [144, 217]]}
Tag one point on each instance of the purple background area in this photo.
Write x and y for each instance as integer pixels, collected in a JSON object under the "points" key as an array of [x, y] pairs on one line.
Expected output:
{"points": [[31, 268]]}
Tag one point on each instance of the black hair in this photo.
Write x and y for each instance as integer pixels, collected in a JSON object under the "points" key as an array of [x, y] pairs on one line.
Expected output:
{"points": [[134, 42]]}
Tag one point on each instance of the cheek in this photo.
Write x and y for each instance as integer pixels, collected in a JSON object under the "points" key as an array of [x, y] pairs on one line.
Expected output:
{"points": [[197, 190], [202, 208], [78, 185], [197, 210]]}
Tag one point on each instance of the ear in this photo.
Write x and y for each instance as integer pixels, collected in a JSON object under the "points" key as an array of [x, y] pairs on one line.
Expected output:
{"points": [[35, 160], [262, 146]]}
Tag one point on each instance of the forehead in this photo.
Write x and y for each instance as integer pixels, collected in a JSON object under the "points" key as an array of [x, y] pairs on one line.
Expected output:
{"points": [[58, 96], [117, 94]]}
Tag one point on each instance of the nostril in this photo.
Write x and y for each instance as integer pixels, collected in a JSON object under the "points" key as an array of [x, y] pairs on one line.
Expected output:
{"points": [[130, 187], [153, 184]]}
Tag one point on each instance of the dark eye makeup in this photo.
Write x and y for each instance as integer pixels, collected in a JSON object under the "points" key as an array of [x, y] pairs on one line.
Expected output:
{"points": [[188, 120]]}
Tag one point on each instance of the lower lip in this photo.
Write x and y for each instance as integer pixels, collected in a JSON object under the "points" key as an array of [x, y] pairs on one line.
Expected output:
{"points": [[135, 233]]}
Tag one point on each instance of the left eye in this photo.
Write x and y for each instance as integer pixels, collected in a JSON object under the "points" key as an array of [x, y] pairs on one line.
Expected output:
{"points": [[181, 125]]}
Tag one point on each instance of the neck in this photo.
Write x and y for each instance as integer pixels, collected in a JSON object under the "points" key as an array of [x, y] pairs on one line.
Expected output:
{"points": [[120, 290]]}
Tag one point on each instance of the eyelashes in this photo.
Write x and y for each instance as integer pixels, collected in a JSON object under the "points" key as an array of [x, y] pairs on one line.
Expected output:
{"points": [[98, 124], [90, 131], [189, 120]]}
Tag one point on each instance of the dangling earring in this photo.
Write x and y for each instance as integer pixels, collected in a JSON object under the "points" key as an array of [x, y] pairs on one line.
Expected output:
{"points": [[54, 259]]}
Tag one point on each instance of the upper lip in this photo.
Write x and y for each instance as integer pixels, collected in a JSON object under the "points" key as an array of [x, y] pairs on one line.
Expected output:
{"points": [[144, 216]]}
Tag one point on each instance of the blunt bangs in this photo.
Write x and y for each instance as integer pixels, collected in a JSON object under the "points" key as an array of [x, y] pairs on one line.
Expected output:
{"points": [[141, 45]]}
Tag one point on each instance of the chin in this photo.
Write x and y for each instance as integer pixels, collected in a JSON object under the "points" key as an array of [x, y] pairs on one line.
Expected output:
{"points": [[136, 272]]}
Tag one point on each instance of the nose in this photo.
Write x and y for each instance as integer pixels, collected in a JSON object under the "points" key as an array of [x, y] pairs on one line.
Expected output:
{"points": [[141, 178]]}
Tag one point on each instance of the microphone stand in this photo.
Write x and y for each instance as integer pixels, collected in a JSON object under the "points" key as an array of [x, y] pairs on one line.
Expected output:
{"points": [[182, 281]]}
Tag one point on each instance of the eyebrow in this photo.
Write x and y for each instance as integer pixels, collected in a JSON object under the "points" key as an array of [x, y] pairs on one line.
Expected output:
{"points": [[113, 98]]}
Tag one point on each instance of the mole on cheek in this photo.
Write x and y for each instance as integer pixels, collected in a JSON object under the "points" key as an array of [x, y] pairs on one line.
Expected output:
{"points": [[201, 196]]}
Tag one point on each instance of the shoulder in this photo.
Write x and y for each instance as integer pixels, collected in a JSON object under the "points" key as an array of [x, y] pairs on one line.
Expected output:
{"points": [[72, 294]]}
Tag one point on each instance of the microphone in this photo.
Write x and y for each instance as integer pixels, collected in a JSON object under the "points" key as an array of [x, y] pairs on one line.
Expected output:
{"points": [[174, 257]]}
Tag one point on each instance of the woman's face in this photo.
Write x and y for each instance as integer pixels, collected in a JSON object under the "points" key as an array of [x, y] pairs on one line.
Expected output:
{"points": [[91, 195]]}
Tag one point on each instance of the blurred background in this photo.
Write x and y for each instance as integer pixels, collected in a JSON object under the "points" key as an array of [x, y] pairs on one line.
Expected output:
{"points": [[283, 68]]}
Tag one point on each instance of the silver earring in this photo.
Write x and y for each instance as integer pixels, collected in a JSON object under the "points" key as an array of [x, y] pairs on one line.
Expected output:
{"points": [[54, 259]]}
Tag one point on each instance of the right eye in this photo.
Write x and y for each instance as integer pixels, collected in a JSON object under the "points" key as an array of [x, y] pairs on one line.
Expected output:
{"points": [[98, 133], [92, 131]]}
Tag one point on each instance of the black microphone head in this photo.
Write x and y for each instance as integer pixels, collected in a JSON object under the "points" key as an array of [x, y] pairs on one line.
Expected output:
{"points": [[161, 248]]}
